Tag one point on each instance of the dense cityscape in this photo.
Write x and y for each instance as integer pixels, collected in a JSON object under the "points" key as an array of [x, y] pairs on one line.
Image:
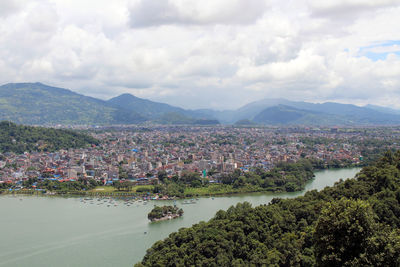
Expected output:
{"points": [[138, 154]]}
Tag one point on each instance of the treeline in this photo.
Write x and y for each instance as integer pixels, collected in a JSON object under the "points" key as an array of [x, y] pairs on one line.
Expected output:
{"points": [[66, 186], [20, 139], [356, 222], [319, 164], [287, 177]]}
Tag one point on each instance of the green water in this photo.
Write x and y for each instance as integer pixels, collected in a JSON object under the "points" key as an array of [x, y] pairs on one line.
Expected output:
{"points": [[53, 231]]}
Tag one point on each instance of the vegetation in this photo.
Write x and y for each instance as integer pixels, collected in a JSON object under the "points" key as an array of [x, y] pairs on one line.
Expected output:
{"points": [[19, 139], [354, 223], [164, 212], [287, 177], [67, 186], [5, 186], [36, 103]]}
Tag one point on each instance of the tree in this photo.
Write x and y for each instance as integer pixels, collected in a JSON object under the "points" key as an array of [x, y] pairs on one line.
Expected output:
{"points": [[162, 175], [343, 232]]}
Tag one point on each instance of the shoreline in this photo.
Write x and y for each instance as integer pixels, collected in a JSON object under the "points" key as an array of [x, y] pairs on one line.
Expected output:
{"points": [[166, 218], [152, 197]]}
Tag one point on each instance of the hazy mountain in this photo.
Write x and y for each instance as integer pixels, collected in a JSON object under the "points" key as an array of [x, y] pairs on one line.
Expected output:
{"points": [[352, 114], [161, 112], [245, 122], [178, 118], [286, 115], [384, 109], [246, 112], [150, 109], [303, 113], [296, 112], [36, 103]]}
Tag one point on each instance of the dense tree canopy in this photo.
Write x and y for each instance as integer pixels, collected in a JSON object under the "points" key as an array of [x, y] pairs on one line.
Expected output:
{"points": [[354, 223], [66, 186], [343, 232], [20, 139]]}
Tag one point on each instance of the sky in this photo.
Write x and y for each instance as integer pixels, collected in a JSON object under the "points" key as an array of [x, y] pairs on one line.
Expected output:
{"points": [[218, 54]]}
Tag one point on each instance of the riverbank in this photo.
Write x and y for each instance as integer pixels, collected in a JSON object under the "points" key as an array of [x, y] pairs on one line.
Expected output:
{"points": [[146, 192], [209, 191]]}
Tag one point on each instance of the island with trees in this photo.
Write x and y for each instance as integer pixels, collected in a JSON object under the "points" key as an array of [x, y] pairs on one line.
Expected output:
{"points": [[164, 213]]}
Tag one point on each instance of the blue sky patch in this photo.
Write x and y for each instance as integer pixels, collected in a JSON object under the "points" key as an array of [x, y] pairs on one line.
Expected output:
{"points": [[380, 51]]}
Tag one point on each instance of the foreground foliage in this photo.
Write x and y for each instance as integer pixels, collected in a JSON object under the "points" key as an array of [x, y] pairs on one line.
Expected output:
{"points": [[354, 223]]}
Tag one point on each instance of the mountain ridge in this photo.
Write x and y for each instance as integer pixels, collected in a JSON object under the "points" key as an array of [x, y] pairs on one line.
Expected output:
{"points": [[38, 103], [330, 113]]}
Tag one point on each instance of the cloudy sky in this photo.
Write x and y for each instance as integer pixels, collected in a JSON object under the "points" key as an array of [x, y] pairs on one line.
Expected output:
{"points": [[210, 53]]}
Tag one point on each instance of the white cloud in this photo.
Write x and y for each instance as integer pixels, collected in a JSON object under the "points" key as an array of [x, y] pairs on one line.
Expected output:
{"points": [[220, 54], [192, 12], [346, 8], [9, 7]]}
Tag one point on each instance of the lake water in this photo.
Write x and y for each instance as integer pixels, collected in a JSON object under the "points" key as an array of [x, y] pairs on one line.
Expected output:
{"points": [[55, 231]]}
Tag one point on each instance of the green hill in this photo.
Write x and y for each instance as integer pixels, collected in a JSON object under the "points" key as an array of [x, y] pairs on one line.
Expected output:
{"points": [[354, 223], [39, 104], [19, 138], [36, 103]]}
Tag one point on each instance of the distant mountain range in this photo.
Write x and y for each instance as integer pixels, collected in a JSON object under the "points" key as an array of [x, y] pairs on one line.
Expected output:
{"points": [[285, 112], [36, 103]]}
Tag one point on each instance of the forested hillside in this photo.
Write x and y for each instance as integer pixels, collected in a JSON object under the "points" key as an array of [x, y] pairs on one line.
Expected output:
{"points": [[36, 103], [19, 138], [354, 223]]}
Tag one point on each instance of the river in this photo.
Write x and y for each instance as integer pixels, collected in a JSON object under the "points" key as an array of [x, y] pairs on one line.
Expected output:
{"points": [[55, 231]]}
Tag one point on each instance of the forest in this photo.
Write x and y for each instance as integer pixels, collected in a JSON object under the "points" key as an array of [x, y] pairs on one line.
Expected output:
{"points": [[356, 222], [19, 139]]}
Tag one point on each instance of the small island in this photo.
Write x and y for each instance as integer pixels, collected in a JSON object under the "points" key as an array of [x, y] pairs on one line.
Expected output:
{"points": [[164, 213]]}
